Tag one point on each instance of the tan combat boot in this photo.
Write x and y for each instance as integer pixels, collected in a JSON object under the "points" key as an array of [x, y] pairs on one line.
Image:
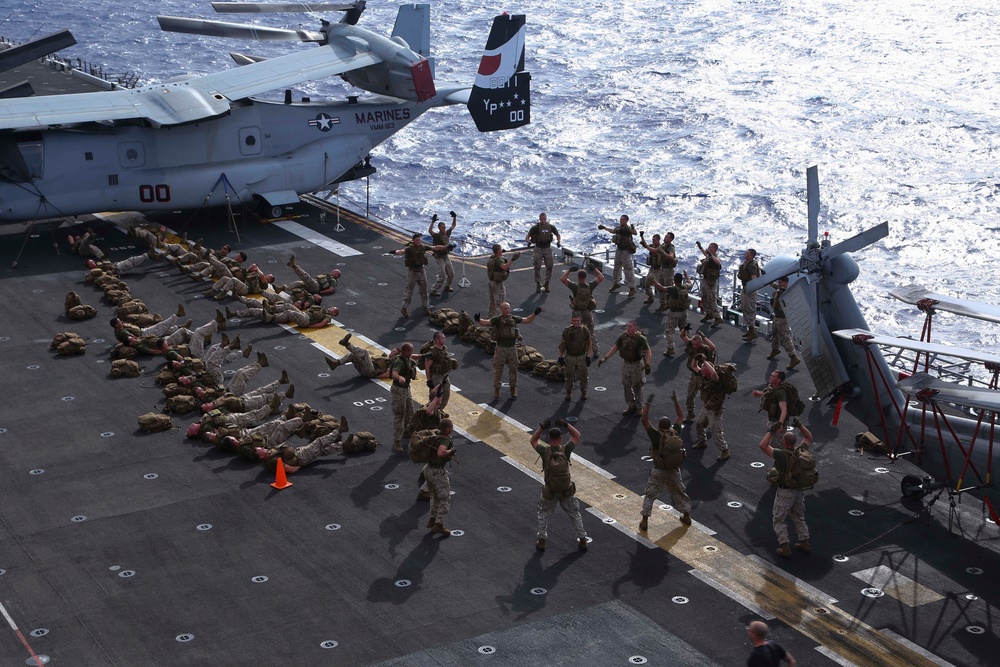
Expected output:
{"points": [[804, 546], [784, 550], [441, 530], [644, 524], [686, 518]]}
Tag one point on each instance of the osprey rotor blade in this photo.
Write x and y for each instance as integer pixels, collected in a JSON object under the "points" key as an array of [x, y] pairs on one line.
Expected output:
{"points": [[237, 30], [858, 241], [812, 199], [766, 279], [274, 7]]}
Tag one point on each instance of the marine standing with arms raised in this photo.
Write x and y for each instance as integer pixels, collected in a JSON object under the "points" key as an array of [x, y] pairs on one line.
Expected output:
{"points": [[442, 237], [574, 355], [656, 262], [749, 270], [695, 345], [677, 302], [713, 397], [558, 485], [497, 272], [636, 355], [582, 300], [710, 269], [622, 237], [505, 354], [667, 452], [541, 236], [788, 498]]}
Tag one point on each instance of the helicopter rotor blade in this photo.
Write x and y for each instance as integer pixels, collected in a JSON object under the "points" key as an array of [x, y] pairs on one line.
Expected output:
{"points": [[274, 7], [858, 241], [812, 200], [237, 30], [766, 279]]}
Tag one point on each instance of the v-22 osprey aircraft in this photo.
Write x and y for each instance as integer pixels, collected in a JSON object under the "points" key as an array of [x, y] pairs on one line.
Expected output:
{"points": [[196, 141]]}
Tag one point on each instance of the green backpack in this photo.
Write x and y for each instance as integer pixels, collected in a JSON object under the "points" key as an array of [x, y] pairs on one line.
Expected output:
{"points": [[556, 472], [670, 453], [423, 444]]}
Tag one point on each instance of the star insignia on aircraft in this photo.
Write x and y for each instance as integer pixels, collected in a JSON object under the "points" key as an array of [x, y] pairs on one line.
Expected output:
{"points": [[324, 122]]}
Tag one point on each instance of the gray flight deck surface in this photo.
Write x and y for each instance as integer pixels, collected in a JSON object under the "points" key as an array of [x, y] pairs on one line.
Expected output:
{"points": [[119, 548]]}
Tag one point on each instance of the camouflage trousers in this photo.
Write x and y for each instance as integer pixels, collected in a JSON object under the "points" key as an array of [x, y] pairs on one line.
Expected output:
{"points": [[445, 274], [661, 480], [230, 284], [693, 384], [238, 384], [436, 379], [416, 278], [632, 380], [248, 419], [276, 431], [675, 321], [361, 359], [570, 505], [215, 358], [542, 256], [710, 298], [144, 235], [199, 336], [748, 306], [306, 280], [505, 356], [440, 488], [576, 367], [402, 410], [712, 420], [130, 263], [587, 319], [267, 391], [782, 336], [498, 294], [322, 446], [662, 276], [624, 268], [790, 503]]}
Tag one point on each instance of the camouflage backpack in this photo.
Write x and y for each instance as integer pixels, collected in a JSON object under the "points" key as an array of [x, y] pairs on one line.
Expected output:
{"points": [[670, 453], [154, 422], [795, 405], [360, 442], [799, 470], [423, 444], [124, 368], [181, 404], [556, 473], [727, 374]]}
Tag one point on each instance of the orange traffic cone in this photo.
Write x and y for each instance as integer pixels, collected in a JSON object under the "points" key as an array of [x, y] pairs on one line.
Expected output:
{"points": [[280, 480]]}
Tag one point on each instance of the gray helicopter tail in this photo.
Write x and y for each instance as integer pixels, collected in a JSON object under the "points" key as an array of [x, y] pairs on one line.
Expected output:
{"points": [[501, 95]]}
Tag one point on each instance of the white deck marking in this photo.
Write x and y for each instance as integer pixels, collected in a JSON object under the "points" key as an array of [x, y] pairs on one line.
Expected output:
{"points": [[324, 242]]}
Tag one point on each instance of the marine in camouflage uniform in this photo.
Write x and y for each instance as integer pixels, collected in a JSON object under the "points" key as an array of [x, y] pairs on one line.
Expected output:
{"points": [[445, 271], [84, 245], [582, 299], [622, 237], [710, 269], [505, 353], [748, 271], [574, 353], [415, 258], [713, 399], [402, 371], [321, 283], [294, 458], [634, 350], [497, 272], [437, 365], [438, 480], [699, 344], [656, 261], [541, 236], [782, 333], [676, 301], [661, 478], [788, 503], [364, 363], [549, 499]]}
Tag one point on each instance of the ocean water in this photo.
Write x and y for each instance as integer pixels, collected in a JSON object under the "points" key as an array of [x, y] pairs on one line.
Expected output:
{"points": [[695, 117]]}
